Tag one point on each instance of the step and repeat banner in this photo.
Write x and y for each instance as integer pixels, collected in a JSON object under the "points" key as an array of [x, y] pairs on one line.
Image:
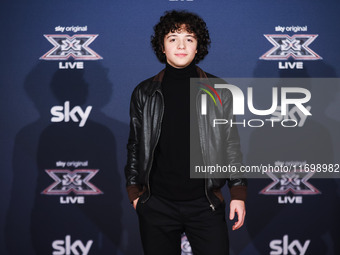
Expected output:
{"points": [[68, 69]]}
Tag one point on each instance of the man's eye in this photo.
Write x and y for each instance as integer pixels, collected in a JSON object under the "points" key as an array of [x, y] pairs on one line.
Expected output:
{"points": [[172, 40]]}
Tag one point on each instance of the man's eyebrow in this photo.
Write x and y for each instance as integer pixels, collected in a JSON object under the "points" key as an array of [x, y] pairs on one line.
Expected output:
{"points": [[171, 36], [175, 35]]}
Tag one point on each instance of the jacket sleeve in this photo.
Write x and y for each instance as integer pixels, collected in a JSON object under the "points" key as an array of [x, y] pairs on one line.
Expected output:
{"points": [[237, 183], [131, 169]]}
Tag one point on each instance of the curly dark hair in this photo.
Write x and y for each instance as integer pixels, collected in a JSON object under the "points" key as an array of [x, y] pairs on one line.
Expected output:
{"points": [[172, 21]]}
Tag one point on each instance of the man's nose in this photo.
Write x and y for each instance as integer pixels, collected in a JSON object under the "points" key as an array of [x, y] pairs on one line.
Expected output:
{"points": [[181, 44]]}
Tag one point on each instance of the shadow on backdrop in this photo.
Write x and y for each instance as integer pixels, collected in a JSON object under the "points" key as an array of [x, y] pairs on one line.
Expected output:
{"points": [[24, 164], [316, 142], [38, 219]]}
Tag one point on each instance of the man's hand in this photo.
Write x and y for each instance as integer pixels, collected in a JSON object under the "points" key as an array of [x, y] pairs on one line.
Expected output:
{"points": [[134, 203], [237, 206]]}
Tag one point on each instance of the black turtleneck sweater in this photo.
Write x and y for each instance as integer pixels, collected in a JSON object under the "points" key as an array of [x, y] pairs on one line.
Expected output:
{"points": [[170, 174]]}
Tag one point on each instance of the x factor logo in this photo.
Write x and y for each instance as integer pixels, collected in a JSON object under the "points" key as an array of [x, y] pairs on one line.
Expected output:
{"points": [[286, 46], [185, 246], [77, 181], [76, 46], [290, 182]]}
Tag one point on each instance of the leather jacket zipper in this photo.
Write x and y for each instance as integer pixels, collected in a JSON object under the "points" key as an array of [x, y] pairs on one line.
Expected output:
{"points": [[200, 129], [153, 150]]}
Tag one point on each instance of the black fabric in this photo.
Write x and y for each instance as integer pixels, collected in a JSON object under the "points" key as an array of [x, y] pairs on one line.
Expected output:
{"points": [[162, 222], [170, 175], [146, 109]]}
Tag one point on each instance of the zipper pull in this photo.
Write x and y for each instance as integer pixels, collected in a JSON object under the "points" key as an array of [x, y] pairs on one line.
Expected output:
{"points": [[212, 207]]}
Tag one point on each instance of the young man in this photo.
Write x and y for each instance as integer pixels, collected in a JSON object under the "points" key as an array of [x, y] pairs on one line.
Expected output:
{"points": [[168, 202]]}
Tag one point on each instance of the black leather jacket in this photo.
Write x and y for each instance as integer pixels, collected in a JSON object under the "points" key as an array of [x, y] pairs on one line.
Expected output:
{"points": [[146, 112]]}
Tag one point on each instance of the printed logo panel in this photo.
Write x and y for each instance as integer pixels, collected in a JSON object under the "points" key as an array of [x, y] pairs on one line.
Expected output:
{"points": [[76, 47], [296, 47]]}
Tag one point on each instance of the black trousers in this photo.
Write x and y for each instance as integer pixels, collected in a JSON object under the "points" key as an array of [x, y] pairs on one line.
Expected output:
{"points": [[162, 222]]}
